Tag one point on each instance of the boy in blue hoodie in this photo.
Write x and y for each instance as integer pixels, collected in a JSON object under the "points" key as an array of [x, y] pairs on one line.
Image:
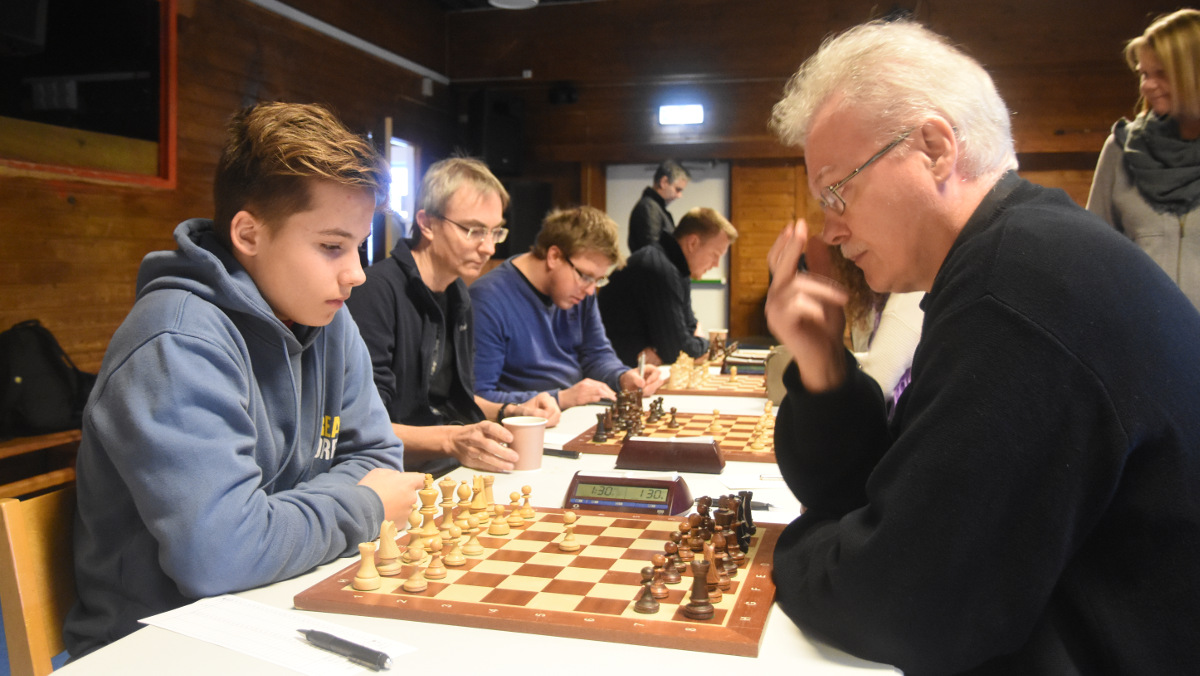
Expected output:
{"points": [[235, 437]]}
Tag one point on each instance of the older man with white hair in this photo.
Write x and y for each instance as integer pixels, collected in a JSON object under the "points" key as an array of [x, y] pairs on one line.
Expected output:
{"points": [[1030, 507]]}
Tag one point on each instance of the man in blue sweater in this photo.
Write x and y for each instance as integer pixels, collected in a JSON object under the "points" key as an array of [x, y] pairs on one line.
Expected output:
{"points": [[415, 317], [234, 437], [1030, 506], [537, 327]]}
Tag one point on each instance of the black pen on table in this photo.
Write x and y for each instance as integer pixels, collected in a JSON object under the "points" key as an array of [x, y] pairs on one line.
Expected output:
{"points": [[368, 657]]}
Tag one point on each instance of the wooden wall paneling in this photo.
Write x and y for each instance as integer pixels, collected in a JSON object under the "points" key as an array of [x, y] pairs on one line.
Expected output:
{"points": [[1058, 66], [593, 180], [71, 250], [764, 197]]}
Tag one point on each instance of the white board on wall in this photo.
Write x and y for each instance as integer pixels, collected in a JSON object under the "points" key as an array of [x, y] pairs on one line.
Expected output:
{"points": [[709, 187]]}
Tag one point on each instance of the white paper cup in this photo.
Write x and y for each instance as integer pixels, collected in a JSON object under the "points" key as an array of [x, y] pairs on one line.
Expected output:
{"points": [[529, 433]]}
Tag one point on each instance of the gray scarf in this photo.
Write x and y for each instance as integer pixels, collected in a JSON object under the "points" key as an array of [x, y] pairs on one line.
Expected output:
{"points": [[1164, 167]]}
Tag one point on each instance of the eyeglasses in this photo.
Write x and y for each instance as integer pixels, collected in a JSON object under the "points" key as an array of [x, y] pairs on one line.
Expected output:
{"points": [[587, 280], [478, 232], [832, 200]]}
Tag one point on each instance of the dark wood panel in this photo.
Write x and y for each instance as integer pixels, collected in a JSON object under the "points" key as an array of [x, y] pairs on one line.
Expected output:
{"points": [[71, 250]]}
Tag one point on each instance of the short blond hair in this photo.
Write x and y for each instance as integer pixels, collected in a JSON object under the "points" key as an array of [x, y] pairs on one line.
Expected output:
{"points": [[705, 222], [272, 153], [1175, 39], [578, 230], [445, 177]]}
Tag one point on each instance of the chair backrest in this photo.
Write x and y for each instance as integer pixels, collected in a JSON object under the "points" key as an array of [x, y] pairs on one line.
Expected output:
{"points": [[37, 577]]}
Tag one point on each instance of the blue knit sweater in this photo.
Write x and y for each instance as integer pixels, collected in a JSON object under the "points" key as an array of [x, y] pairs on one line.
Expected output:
{"points": [[524, 344]]}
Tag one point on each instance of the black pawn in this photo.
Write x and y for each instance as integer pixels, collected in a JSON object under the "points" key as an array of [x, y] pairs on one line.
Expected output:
{"points": [[699, 607], [646, 602], [674, 424]]}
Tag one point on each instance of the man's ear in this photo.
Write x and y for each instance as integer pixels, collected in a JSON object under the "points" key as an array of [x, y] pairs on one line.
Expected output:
{"points": [[689, 242], [940, 146], [245, 233], [423, 224]]}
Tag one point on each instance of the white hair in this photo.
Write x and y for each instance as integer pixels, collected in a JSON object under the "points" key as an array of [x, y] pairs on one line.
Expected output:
{"points": [[897, 74]]}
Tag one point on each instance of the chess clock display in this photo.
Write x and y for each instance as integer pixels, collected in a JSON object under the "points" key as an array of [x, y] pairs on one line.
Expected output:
{"points": [[622, 492]]}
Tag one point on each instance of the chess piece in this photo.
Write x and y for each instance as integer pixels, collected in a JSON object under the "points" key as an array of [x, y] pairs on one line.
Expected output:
{"points": [[515, 520], [657, 588], [674, 424], [455, 557], [712, 575], [428, 496], [568, 543], [600, 436], [714, 427], [389, 553], [646, 603], [464, 505], [473, 546], [415, 550], [732, 373], [527, 510], [488, 480], [498, 525], [436, 569], [479, 505], [367, 578], [415, 583], [671, 569], [699, 606]]}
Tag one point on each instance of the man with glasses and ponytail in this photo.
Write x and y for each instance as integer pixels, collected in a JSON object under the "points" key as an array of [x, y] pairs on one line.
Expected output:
{"points": [[538, 328], [415, 315]]}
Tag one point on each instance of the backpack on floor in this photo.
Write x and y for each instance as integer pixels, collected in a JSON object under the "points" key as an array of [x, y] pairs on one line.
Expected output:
{"points": [[41, 390]]}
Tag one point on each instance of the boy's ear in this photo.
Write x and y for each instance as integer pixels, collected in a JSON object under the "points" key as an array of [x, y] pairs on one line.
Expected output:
{"points": [[245, 233]]}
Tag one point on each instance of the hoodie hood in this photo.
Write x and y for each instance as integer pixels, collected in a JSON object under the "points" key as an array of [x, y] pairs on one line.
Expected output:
{"points": [[203, 267]]}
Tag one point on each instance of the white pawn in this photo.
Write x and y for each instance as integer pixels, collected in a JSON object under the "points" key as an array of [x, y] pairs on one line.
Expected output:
{"points": [[568, 543], [473, 547], [367, 578], [498, 525], [436, 569], [527, 511], [415, 583], [515, 520]]}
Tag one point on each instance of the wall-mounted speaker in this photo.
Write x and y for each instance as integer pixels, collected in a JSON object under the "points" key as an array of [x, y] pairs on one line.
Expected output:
{"points": [[495, 121]]}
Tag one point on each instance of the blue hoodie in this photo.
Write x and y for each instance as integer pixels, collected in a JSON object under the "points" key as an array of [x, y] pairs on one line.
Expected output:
{"points": [[221, 449]]}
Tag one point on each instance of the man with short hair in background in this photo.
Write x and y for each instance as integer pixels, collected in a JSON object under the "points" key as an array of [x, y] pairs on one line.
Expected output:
{"points": [[650, 218]]}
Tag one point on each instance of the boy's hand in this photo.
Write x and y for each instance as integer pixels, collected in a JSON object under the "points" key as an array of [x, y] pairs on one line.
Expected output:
{"points": [[397, 490]]}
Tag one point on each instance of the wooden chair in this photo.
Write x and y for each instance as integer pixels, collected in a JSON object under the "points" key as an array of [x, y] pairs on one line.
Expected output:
{"points": [[37, 580]]}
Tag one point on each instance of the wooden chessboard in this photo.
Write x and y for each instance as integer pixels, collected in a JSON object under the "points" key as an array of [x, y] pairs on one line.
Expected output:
{"points": [[718, 385], [524, 583], [734, 437]]}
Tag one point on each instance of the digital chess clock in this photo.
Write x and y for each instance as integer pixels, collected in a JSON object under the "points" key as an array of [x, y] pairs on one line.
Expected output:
{"points": [[622, 492]]}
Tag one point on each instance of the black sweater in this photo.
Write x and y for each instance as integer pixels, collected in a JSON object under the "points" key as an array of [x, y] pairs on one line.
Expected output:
{"points": [[1032, 507], [648, 303], [404, 329]]}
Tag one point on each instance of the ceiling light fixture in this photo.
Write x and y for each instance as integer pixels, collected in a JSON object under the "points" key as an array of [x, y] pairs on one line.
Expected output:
{"points": [[513, 4]]}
